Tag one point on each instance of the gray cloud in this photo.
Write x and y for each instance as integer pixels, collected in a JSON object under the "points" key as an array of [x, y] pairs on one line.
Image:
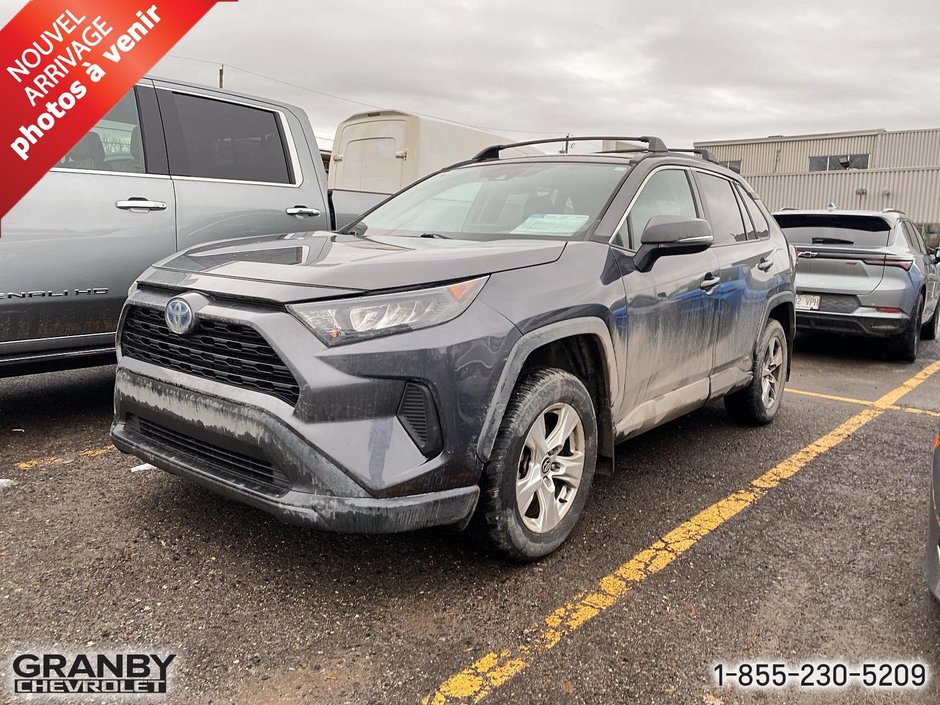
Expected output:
{"points": [[683, 70]]}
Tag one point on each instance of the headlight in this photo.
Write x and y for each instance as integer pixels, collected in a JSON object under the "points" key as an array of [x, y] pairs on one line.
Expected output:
{"points": [[347, 321]]}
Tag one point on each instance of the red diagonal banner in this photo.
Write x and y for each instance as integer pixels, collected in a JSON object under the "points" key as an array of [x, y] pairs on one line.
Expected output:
{"points": [[64, 64]]}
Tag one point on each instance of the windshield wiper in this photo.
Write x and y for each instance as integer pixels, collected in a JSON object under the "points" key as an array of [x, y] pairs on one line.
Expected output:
{"points": [[436, 236], [831, 241]]}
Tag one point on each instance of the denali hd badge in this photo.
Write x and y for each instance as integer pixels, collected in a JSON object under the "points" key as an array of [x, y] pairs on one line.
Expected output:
{"points": [[179, 317], [140, 674]]}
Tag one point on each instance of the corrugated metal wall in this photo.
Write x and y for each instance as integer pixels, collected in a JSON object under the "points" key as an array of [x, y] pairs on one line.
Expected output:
{"points": [[787, 156], [904, 149], [915, 191]]}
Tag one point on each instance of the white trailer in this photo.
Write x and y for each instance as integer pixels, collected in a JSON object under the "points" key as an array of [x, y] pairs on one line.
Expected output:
{"points": [[385, 150]]}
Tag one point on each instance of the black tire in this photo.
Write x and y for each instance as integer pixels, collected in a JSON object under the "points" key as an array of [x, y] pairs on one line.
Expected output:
{"points": [[905, 345], [499, 519], [749, 405], [929, 330]]}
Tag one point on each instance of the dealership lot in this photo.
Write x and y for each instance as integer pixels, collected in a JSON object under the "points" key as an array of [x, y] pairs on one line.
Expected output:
{"points": [[820, 559]]}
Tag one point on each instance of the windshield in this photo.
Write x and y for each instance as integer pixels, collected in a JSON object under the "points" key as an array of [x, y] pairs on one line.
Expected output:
{"points": [[834, 229], [496, 200]]}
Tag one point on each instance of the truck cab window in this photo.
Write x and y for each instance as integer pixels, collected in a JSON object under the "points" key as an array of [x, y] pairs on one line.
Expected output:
{"points": [[228, 141], [114, 144]]}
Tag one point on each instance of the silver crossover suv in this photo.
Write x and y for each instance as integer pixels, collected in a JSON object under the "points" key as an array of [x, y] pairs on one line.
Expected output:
{"points": [[864, 273]]}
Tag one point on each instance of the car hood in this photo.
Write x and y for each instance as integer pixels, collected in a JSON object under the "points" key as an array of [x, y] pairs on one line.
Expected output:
{"points": [[358, 263]]}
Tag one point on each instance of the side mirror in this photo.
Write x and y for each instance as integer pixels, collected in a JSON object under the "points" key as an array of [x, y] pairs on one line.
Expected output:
{"points": [[934, 254], [671, 235]]}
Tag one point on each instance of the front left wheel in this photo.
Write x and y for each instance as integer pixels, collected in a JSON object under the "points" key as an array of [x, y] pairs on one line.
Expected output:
{"points": [[539, 475]]}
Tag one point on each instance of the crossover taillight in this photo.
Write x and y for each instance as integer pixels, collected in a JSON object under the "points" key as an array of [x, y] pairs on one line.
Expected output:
{"points": [[890, 261]]}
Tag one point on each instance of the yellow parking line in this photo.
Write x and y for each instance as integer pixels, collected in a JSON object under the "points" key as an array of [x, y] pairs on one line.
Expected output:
{"points": [[496, 668], [865, 402], [36, 463], [95, 452]]}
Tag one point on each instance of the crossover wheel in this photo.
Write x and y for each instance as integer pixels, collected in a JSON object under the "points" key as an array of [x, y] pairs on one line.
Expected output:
{"points": [[539, 475], [905, 345], [758, 403]]}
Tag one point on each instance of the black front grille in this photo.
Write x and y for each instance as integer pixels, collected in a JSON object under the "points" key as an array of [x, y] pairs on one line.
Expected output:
{"points": [[253, 471], [224, 352]]}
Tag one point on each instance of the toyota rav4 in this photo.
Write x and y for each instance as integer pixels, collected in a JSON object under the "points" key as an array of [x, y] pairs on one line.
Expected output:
{"points": [[463, 353]]}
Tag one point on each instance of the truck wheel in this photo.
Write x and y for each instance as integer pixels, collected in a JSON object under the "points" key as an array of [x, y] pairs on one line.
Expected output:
{"points": [[905, 345], [929, 329], [757, 404], [539, 475]]}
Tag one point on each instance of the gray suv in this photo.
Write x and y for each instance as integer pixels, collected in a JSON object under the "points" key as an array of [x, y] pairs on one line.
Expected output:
{"points": [[463, 353], [864, 273]]}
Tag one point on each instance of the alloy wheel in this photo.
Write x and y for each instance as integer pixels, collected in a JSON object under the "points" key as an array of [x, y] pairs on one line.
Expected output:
{"points": [[550, 468], [772, 373]]}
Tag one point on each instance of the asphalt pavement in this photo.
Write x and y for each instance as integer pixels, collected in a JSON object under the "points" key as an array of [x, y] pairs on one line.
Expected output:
{"points": [[708, 544]]}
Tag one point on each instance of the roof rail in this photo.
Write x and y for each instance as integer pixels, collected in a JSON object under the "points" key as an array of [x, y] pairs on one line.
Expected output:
{"points": [[492, 152], [893, 210], [703, 153]]}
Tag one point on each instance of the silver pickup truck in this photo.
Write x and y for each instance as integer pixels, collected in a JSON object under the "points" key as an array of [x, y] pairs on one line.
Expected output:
{"points": [[170, 166]]}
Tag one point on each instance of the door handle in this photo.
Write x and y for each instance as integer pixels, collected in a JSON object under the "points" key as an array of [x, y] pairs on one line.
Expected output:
{"points": [[765, 264], [140, 205], [302, 212], [709, 282]]}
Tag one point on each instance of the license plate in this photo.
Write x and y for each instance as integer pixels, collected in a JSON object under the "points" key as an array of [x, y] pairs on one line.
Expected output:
{"points": [[807, 302]]}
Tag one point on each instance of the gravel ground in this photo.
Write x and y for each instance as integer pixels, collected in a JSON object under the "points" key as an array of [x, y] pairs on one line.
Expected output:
{"points": [[98, 554]]}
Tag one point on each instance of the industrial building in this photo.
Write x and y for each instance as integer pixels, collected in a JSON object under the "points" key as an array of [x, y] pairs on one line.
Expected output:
{"points": [[870, 170]]}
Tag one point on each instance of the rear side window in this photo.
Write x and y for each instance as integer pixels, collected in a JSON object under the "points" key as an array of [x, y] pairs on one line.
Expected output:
{"points": [[723, 211], [220, 140], [915, 238], [761, 227], [834, 229], [666, 193], [114, 144]]}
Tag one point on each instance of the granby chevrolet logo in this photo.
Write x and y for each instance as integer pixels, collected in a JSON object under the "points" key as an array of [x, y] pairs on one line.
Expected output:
{"points": [[82, 674]]}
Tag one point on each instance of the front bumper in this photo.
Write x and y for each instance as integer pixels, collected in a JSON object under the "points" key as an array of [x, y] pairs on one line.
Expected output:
{"points": [[339, 450], [866, 322], [159, 422]]}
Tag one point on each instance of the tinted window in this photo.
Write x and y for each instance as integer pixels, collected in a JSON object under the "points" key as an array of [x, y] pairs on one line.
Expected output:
{"points": [[114, 144], [666, 193], [723, 211], [761, 227], [497, 200], [915, 239], [834, 229], [220, 140]]}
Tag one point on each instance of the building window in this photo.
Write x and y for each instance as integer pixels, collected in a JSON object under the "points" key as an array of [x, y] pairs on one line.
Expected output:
{"points": [[733, 164], [839, 162]]}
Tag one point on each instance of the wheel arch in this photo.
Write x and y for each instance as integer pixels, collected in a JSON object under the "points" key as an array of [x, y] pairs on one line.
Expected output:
{"points": [[782, 308], [575, 345]]}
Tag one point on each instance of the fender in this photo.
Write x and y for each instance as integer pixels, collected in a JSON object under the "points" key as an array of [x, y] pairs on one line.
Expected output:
{"points": [[519, 354], [786, 296]]}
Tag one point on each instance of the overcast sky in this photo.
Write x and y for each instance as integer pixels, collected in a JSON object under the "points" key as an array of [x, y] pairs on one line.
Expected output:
{"points": [[681, 69]]}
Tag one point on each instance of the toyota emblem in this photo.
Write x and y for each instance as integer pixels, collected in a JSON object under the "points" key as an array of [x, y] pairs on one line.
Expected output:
{"points": [[179, 317]]}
